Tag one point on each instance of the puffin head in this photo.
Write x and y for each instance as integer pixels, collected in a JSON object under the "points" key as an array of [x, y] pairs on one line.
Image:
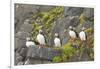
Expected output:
{"points": [[28, 39], [70, 27], [56, 35], [83, 28], [41, 31]]}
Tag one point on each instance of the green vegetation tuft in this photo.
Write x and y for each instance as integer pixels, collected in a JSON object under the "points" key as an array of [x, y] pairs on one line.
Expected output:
{"points": [[57, 59], [67, 52], [89, 30], [81, 18]]}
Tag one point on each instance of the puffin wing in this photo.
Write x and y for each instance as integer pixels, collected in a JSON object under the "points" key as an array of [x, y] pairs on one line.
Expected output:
{"points": [[76, 34], [86, 35], [45, 39]]}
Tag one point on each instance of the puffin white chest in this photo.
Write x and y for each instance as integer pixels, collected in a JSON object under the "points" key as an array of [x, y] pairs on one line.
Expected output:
{"points": [[72, 34], [30, 43], [41, 39], [57, 42], [82, 35]]}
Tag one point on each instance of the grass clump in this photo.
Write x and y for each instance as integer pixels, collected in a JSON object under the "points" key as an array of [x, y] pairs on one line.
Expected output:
{"points": [[57, 59], [67, 52]]}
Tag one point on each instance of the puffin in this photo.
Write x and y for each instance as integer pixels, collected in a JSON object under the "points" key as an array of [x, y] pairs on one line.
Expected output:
{"points": [[57, 41], [40, 38], [82, 35], [29, 42], [72, 33]]}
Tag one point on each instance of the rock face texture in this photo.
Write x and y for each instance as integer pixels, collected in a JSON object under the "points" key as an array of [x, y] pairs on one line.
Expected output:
{"points": [[72, 11], [36, 54], [71, 16], [42, 53]]}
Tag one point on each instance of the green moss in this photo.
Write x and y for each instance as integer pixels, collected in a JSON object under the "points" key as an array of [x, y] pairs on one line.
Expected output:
{"points": [[89, 30], [68, 51], [57, 59], [81, 18]]}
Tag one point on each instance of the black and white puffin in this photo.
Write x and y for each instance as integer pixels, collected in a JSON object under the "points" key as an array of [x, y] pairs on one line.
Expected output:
{"points": [[82, 35], [29, 42], [72, 33], [57, 41], [40, 38]]}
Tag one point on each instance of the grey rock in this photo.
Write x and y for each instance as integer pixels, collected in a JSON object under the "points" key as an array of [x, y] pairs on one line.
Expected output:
{"points": [[22, 35], [74, 22], [88, 24], [26, 27], [45, 8], [42, 53], [88, 12], [20, 63], [22, 12], [72, 11], [17, 54], [35, 61], [32, 51], [19, 43], [38, 61], [18, 59], [27, 62], [24, 9], [23, 52]]}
